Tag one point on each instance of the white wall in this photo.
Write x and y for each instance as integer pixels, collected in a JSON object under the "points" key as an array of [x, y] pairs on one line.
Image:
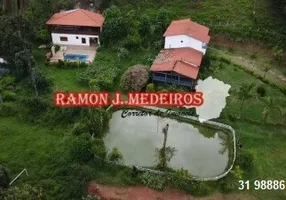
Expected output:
{"points": [[72, 40], [180, 41]]}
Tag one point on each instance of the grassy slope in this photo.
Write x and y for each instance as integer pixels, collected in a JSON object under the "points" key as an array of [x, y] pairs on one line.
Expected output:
{"points": [[267, 143], [212, 11], [25, 145]]}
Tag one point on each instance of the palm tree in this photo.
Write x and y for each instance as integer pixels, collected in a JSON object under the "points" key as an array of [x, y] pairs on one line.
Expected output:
{"points": [[270, 106], [244, 93], [165, 154]]}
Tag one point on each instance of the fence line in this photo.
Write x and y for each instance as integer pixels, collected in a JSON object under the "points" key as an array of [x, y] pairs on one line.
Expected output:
{"points": [[194, 178]]}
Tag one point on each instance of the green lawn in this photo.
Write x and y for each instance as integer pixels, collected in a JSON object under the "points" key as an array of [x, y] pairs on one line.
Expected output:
{"points": [[25, 145], [235, 15], [267, 142]]}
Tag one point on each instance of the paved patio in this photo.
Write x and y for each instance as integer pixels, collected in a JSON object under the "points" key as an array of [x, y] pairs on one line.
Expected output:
{"points": [[72, 49]]}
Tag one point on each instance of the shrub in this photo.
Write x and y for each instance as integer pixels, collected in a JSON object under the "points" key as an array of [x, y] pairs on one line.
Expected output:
{"points": [[261, 91], [44, 34], [4, 178], [9, 96], [164, 90], [8, 109], [25, 192], [6, 81], [181, 178], [57, 48], [153, 181], [227, 185], [99, 148], [150, 87], [230, 182], [81, 149], [99, 76], [135, 79], [88, 197], [202, 188], [245, 159], [232, 117], [115, 155], [132, 41], [79, 128], [122, 53], [224, 60]]}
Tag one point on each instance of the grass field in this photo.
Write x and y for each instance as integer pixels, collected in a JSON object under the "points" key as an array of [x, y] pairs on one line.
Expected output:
{"points": [[233, 15], [25, 145]]}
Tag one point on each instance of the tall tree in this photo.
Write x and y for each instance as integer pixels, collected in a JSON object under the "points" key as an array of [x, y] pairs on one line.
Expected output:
{"points": [[164, 154]]}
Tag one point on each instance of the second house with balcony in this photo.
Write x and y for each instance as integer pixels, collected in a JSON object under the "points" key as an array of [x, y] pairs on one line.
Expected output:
{"points": [[179, 62]]}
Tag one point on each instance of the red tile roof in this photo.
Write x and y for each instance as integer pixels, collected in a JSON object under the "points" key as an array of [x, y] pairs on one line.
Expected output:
{"points": [[184, 61], [77, 17], [190, 28]]}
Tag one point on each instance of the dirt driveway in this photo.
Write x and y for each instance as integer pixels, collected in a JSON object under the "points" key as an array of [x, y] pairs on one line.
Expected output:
{"points": [[144, 193]]}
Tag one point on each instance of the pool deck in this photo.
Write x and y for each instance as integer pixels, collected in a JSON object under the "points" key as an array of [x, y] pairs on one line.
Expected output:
{"points": [[71, 49]]}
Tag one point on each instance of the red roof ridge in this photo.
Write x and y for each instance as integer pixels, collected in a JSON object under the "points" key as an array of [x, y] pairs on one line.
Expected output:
{"points": [[76, 17], [84, 11], [189, 63]]}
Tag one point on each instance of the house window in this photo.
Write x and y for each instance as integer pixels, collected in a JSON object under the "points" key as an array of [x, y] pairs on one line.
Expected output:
{"points": [[83, 40], [76, 37], [63, 39]]}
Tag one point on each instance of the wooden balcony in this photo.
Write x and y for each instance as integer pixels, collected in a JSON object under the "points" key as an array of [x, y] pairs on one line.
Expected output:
{"points": [[175, 80], [76, 30]]}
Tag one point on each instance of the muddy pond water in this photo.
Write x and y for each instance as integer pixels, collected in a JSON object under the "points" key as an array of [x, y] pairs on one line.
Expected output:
{"points": [[203, 151]]}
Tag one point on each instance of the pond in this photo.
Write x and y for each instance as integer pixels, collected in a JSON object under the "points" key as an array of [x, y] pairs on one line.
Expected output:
{"points": [[202, 151]]}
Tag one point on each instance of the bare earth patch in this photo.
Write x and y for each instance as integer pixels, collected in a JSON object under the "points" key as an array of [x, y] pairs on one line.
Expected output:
{"points": [[144, 193]]}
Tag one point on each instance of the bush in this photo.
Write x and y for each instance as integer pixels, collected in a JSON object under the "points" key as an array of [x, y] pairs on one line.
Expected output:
{"points": [[79, 128], [261, 91], [81, 149], [164, 90], [153, 181], [4, 178], [122, 53], [115, 155], [224, 60], [8, 96], [202, 188], [232, 117], [229, 183], [150, 87], [135, 78], [99, 148], [99, 76], [57, 48], [6, 81], [245, 159], [8, 109], [25, 192]]}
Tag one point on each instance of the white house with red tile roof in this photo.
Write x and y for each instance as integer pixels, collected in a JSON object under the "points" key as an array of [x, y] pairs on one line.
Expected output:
{"points": [[179, 62], [75, 27], [186, 33]]}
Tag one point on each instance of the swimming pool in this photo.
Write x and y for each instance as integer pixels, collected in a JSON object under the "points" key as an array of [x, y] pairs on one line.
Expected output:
{"points": [[75, 57]]}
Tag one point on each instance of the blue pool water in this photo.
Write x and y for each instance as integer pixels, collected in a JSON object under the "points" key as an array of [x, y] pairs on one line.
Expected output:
{"points": [[75, 57]]}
